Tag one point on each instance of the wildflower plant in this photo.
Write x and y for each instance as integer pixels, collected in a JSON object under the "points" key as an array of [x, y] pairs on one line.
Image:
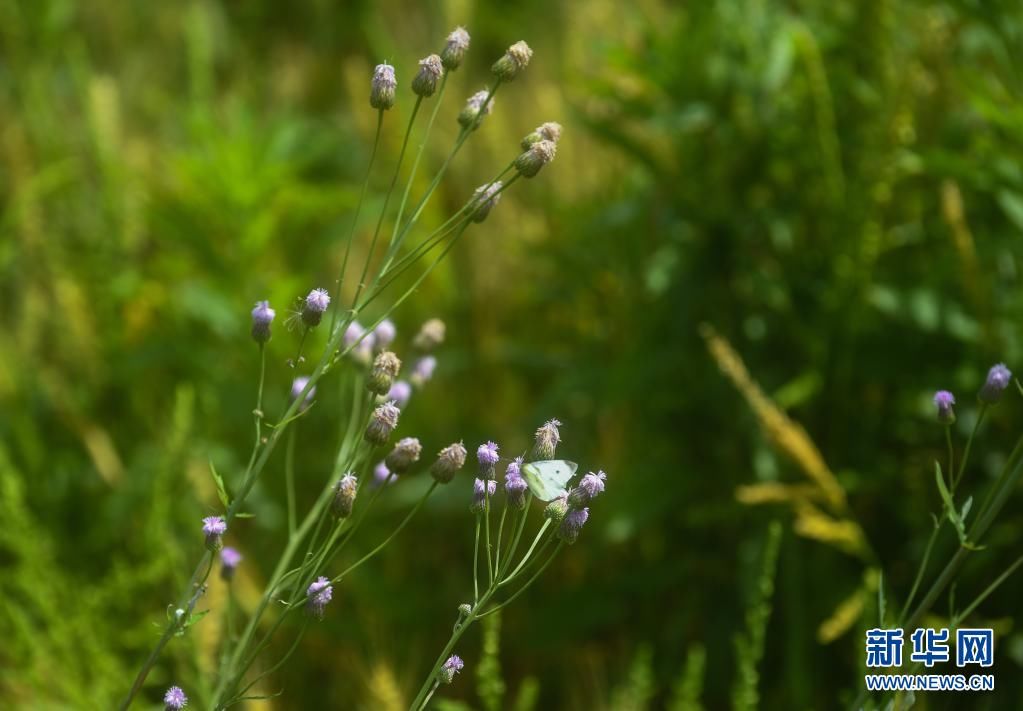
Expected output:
{"points": [[378, 383]]}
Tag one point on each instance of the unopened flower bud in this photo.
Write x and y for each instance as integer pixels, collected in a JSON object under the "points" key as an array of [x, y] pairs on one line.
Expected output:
{"points": [[345, 492], [229, 560], [405, 453], [485, 199], [481, 493], [449, 461], [514, 485], [382, 423], [319, 594], [430, 335], [383, 334], [422, 371], [465, 609], [476, 107], [452, 666], [550, 131], [358, 343], [214, 527], [944, 400], [381, 93], [535, 157], [297, 386], [547, 439], [400, 392], [589, 487], [430, 71], [514, 61], [381, 474], [488, 457], [556, 509], [315, 304], [573, 522], [455, 48], [385, 370], [998, 379], [262, 317]]}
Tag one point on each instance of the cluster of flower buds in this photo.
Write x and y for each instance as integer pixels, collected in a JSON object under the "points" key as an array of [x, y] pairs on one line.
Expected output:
{"points": [[996, 382]]}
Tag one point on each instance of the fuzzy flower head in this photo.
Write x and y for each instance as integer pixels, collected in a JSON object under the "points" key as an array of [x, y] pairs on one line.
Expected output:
{"points": [[297, 386], [262, 317], [405, 453], [384, 333], [319, 594], [430, 335], [385, 370], [549, 131], [589, 487], [488, 457], [344, 496], [358, 343], [529, 163], [572, 524], [998, 379], [174, 699], [547, 439], [214, 527], [476, 107], [481, 493], [449, 461], [431, 69], [455, 48], [422, 371], [452, 666], [400, 393], [383, 422], [515, 59], [381, 92], [229, 560], [484, 199], [944, 400], [314, 306], [514, 485], [381, 474]]}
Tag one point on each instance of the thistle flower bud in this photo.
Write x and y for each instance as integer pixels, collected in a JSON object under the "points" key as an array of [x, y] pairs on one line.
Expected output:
{"points": [[430, 71], [535, 157], [485, 199], [385, 370], [400, 392], [430, 335], [449, 460], [315, 304], [572, 524], [358, 343], [381, 474], [481, 494], [514, 485], [174, 699], [452, 666], [487, 456], [345, 492], [318, 594], [405, 453], [998, 379], [382, 423], [550, 131], [556, 509], [476, 107], [297, 386], [547, 439], [589, 487], [262, 317], [944, 400], [455, 48], [465, 609], [381, 92], [213, 527], [422, 371], [229, 560], [514, 61], [383, 334]]}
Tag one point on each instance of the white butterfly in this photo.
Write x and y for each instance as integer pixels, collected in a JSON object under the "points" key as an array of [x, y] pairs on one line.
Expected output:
{"points": [[547, 479]]}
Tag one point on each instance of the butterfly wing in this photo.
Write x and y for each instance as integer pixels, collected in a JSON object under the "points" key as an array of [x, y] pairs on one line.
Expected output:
{"points": [[547, 479]]}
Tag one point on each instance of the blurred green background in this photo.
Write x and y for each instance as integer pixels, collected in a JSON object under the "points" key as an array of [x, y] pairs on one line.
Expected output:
{"points": [[836, 188]]}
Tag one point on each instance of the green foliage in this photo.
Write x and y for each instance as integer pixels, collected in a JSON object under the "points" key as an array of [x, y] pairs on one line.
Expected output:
{"points": [[689, 685], [749, 647]]}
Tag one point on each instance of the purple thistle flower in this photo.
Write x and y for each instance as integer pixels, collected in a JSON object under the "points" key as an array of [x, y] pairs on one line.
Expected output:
{"points": [[383, 422], [452, 666], [344, 495], [297, 386], [514, 485], [449, 460], [384, 333], [422, 371], [572, 524], [590, 486], [381, 474], [319, 594], [944, 400], [213, 527], [488, 457], [174, 699], [262, 317], [353, 333], [998, 379], [481, 494], [405, 453], [229, 560], [400, 392], [547, 439], [315, 304]]}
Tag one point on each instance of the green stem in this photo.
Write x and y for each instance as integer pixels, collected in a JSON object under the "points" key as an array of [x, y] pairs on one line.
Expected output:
{"points": [[537, 574], [475, 563], [525, 558], [987, 591], [289, 479], [969, 443], [500, 532]]}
